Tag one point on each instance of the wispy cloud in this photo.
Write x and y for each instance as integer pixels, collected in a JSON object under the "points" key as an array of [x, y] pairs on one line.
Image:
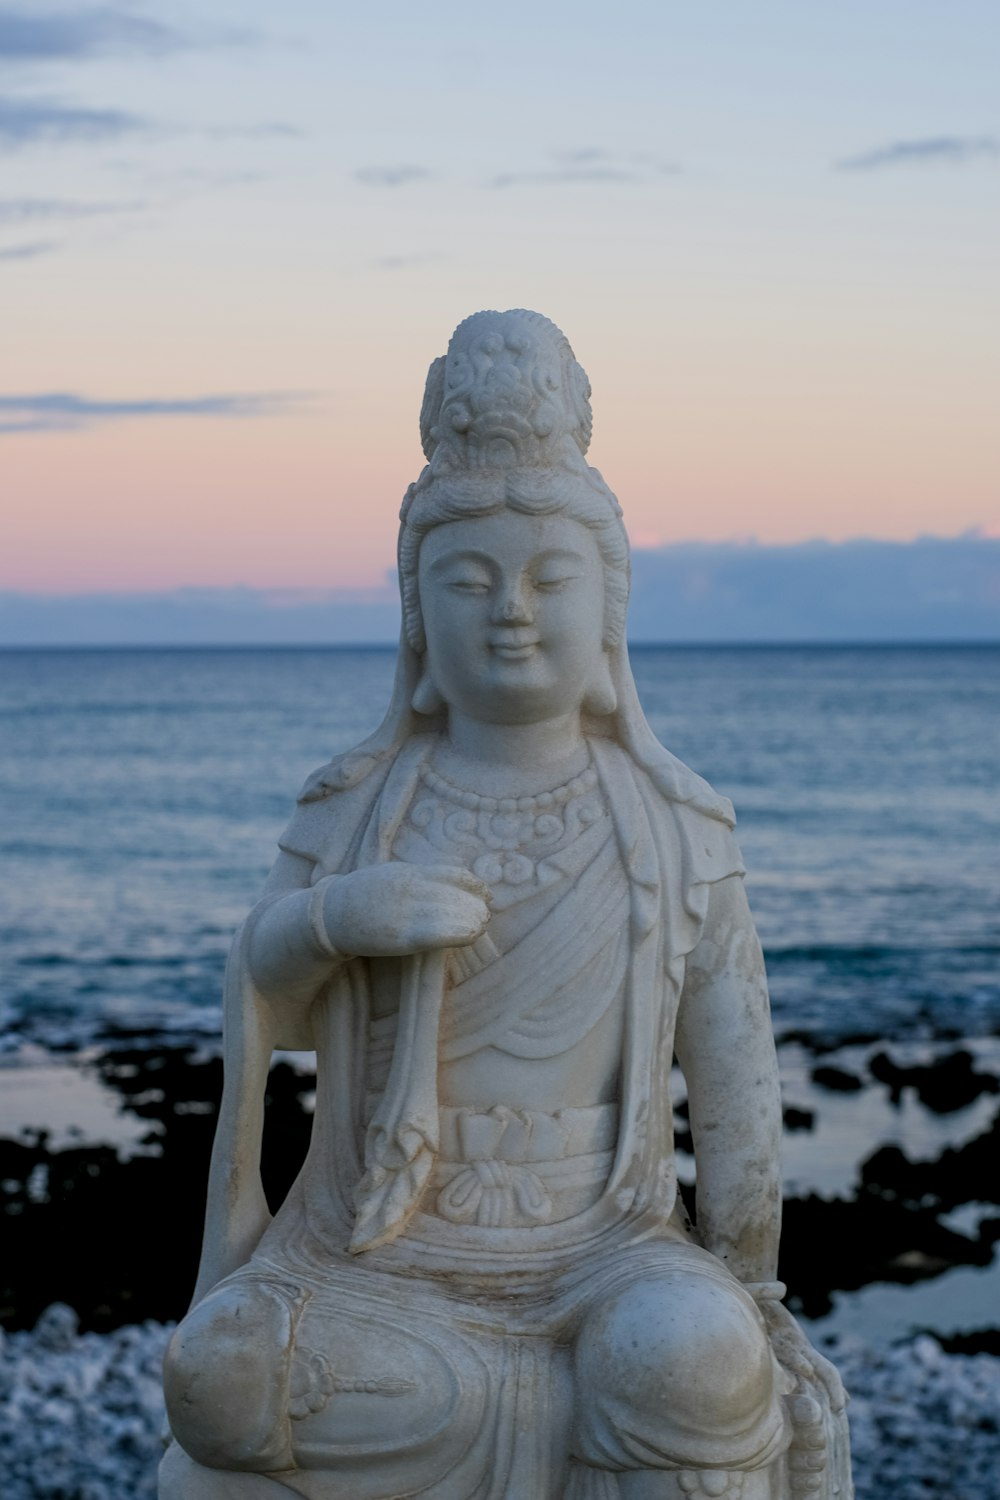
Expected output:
{"points": [[30, 121], [640, 162], [51, 411], [24, 122], [182, 183], [933, 589], [30, 251], [555, 176], [559, 176], [31, 210], [93, 31], [265, 130], [198, 178], [942, 150], [588, 165], [201, 616], [27, 36], [394, 176]]}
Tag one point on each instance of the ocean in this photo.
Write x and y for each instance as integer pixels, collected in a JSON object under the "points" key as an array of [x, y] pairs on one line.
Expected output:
{"points": [[142, 793], [141, 796]]}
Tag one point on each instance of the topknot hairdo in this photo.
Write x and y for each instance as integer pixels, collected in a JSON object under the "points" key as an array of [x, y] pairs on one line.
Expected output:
{"points": [[506, 423]]}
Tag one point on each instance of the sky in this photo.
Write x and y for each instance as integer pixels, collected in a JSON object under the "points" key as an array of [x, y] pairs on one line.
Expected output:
{"points": [[934, 589], [233, 235]]}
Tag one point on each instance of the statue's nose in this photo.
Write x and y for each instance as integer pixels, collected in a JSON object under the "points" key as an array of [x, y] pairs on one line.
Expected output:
{"points": [[513, 610]]}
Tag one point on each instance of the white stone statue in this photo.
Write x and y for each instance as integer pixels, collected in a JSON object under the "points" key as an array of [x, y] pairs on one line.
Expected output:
{"points": [[496, 922]]}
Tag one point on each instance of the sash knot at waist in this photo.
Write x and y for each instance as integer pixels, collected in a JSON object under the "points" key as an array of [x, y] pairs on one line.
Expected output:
{"points": [[491, 1192], [505, 1166]]}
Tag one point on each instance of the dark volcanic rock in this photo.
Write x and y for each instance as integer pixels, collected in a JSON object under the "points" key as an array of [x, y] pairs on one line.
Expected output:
{"points": [[945, 1085], [105, 1208], [836, 1080], [891, 1230]]}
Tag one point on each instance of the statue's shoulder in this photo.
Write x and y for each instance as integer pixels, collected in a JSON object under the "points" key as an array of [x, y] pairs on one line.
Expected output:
{"points": [[690, 793], [341, 774], [668, 778], [336, 794], [338, 798], [686, 813], [705, 819]]}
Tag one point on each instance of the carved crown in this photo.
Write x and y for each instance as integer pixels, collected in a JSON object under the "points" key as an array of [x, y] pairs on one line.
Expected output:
{"points": [[508, 394]]}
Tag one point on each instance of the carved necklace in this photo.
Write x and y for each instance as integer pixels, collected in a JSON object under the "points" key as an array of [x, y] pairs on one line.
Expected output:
{"points": [[494, 833]]}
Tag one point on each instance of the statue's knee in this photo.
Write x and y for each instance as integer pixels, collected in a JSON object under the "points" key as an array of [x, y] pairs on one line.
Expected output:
{"points": [[180, 1478], [226, 1377], [666, 1360]]}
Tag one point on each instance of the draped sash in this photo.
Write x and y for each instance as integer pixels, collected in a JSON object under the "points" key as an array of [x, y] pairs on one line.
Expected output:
{"points": [[669, 854], [538, 999], [531, 1002]]}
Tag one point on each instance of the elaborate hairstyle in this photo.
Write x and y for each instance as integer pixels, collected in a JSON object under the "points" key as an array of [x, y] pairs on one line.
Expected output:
{"points": [[505, 424]]}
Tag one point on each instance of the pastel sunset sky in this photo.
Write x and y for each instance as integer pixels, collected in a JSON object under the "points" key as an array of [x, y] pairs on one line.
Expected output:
{"points": [[234, 233]]}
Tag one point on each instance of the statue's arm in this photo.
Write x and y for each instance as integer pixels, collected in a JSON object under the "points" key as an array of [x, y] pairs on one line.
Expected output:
{"points": [[298, 933], [255, 1021], [289, 949], [725, 1047]]}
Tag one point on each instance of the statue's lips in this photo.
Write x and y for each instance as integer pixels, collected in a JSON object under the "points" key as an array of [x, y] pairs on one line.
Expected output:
{"points": [[513, 650]]}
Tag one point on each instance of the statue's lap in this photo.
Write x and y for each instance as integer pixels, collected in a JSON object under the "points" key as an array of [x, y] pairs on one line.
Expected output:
{"points": [[650, 1359]]}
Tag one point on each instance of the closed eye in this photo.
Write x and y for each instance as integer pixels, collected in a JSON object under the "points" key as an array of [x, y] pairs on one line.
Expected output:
{"points": [[468, 585], [554, 585]]}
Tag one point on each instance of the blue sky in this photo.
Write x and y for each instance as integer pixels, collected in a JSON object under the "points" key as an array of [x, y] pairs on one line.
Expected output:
{"points": [[233, 236]]}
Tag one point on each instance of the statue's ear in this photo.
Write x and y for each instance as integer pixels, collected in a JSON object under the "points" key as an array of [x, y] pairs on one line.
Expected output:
{"points": [[600, 698], [426, 698]]}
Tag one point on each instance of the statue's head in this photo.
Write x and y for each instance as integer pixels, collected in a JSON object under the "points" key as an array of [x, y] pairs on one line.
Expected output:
{"points": [[513, 560]]}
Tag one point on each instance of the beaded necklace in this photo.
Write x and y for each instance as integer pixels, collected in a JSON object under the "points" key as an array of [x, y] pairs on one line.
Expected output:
{"points": [[502, 838]]}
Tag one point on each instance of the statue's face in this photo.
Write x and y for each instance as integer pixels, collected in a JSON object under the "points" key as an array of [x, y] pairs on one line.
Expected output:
{"points": [[513, 611]]}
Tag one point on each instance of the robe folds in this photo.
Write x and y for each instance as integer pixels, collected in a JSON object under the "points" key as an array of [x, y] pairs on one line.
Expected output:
{"points": [[670, 853], [448, 1357]]}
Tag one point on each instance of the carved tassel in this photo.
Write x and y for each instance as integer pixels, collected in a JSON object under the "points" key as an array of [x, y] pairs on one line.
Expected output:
{"points": [[402, 1139]]}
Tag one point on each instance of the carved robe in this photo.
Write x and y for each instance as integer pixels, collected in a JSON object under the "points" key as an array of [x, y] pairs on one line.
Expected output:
{"points": [[460, 1358]]}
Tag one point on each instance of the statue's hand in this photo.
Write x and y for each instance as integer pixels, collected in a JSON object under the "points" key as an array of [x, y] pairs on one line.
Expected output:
{"points": [[391, 910], [793, 1350]]}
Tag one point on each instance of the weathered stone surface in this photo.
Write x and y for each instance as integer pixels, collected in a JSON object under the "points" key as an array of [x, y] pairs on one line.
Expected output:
{"points": [[495, 923]]}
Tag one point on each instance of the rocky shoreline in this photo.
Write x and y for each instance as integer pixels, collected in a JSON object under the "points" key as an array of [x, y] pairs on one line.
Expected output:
{"points": [[892, 1224], [890, 1175], [81, 1415]]}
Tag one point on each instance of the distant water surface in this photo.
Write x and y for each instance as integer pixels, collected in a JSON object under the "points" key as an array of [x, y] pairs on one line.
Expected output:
{"points": [[142, 793]]}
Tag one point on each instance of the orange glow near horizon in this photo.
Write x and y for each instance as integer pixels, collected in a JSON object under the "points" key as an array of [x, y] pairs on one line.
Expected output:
{"points": [[310, 499], [786, 308]]}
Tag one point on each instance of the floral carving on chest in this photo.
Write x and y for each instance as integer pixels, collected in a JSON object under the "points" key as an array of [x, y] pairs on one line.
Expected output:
{"points": [[503, 840]]}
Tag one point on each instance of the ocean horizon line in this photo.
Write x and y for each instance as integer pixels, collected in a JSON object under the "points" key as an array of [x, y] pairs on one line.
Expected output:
{"points": [[386, 648]]}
